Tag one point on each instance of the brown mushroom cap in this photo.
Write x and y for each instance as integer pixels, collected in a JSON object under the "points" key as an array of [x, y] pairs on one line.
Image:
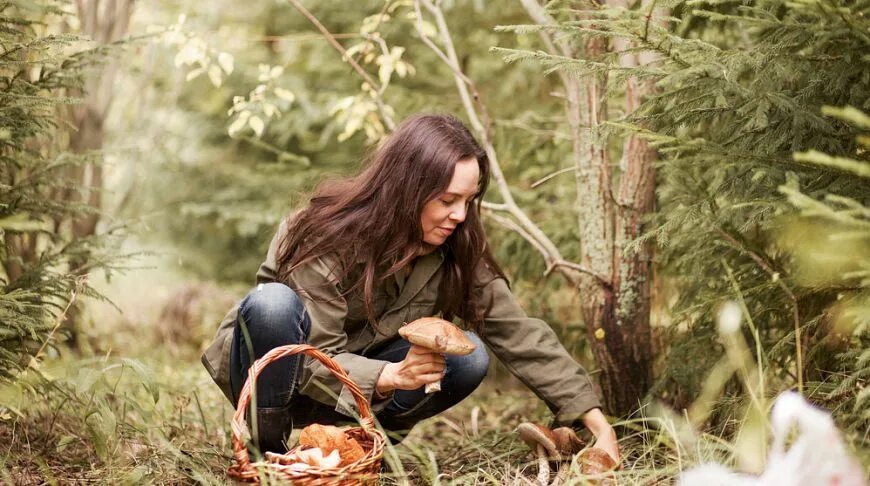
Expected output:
{"points": [[325, 437], [567, 441], [595, 461], [438, 335], [533, 435]]}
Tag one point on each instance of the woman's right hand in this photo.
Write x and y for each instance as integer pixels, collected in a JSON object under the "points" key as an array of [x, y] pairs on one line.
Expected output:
{"points": [[420, 366]]}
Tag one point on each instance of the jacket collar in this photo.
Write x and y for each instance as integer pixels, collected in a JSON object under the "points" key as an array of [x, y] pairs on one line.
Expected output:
{"points": [[424, 270]]}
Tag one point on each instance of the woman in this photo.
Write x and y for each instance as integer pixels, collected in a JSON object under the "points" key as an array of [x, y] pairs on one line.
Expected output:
{"points": [[400, 241]]}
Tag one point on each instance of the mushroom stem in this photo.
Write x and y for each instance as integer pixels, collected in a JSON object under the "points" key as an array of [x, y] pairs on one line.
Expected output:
{"points": [[543, 466], [562, 475], [440, 336]]}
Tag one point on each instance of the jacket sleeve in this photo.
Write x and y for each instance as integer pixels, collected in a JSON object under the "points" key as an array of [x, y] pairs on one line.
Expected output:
{"points": [[530, 349], [327, 310]]}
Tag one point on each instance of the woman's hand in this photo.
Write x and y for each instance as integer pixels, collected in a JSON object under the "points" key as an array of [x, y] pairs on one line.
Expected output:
{"points": [[420, 366], [605, 436]]}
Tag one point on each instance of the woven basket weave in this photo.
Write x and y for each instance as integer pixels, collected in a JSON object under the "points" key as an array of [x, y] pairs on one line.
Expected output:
{"points": [[362, 472]]}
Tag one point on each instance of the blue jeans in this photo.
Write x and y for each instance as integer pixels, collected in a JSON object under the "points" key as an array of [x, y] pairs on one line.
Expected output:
{"points": [[275, 316]]}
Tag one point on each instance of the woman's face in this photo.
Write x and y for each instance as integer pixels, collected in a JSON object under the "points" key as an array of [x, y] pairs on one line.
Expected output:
{"points": [[441, 215]]}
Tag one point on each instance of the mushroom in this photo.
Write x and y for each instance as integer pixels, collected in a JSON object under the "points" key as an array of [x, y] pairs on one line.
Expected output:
{"points": [[567, 441], [438, 335], [558, 445], [595, 462], [303, 459], [542, 441], [330, 438], [317, 458]]}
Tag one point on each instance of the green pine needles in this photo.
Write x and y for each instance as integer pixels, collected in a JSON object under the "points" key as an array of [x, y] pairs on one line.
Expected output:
{"points": [[37, 282], [740, 87]]}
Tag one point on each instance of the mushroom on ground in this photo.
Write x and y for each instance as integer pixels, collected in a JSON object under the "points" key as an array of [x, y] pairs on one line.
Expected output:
{"points": [[438, 335], [595, 461], [568, 444], [557, 445], [567, 441], [542, 441]]}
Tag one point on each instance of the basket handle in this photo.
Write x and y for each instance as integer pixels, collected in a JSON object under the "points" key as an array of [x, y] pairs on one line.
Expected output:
{"points": [[238, 424]]}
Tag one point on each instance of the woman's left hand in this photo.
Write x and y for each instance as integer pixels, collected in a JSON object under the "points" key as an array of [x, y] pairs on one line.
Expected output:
{"points": [[605, 436]]}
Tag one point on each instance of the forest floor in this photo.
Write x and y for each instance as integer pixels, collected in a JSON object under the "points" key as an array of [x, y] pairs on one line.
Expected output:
{"points": [[136, 406], [158, 418]]}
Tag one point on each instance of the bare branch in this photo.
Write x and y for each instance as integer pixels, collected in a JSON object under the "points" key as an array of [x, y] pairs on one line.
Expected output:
{"points": [[80, 282], [511, 225], [580, 268], [418, 24], [495, 206], [550, 176], [541, 17], [564, 267], [463, 83]]}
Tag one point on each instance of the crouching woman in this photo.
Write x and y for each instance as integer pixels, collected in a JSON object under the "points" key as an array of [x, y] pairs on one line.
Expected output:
{"points": [[399, 241]]}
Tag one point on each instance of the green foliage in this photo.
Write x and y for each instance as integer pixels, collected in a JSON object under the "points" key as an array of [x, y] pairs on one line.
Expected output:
{"points": [[36, 283], [217, 190], [113, 420], [727, 118], [841, 261], [739, 88]]}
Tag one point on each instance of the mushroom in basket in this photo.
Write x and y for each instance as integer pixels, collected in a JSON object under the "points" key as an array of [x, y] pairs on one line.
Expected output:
{"points": [[323, 446], [329, 438]]}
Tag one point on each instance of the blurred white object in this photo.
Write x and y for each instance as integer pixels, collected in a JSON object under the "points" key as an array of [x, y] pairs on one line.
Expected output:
{"points": [[713, 474], [817, 457], [729, 317]]}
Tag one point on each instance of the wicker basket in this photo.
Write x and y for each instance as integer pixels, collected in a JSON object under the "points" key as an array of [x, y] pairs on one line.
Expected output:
{"points": [[362, 472]]}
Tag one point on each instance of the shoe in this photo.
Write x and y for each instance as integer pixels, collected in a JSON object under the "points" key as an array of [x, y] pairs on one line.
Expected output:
{"points": [[274, 425]]}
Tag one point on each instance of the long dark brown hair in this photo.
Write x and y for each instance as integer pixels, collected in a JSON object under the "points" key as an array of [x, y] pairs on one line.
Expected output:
{"points": [[371, 221]]}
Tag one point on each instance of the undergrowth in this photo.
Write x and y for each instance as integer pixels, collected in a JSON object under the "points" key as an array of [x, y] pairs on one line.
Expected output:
{"points": [[160, 419], [133, 412]]}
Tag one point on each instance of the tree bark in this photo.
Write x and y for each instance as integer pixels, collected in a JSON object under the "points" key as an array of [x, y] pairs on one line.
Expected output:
{"points": [[620, 350], [617, 310], [103, 21]]}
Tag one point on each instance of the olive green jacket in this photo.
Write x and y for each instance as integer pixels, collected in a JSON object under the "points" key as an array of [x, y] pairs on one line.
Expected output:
{"points": [[528, 347]]}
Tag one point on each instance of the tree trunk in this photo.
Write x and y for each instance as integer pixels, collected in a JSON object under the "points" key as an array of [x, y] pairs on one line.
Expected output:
{"points": [[105, 22], [614, 284], [617, 315]]}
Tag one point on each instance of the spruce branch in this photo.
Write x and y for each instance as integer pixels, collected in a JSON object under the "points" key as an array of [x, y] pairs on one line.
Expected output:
{"points": [[777, 275]]}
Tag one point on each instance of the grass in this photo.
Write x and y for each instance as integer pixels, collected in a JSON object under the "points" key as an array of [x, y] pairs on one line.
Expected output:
{"points": [[158, 418], [135, 409]]}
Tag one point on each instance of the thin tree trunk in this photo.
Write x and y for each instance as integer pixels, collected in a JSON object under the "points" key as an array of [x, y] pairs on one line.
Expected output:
{"points": [[105, 22], [617, 315]]}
